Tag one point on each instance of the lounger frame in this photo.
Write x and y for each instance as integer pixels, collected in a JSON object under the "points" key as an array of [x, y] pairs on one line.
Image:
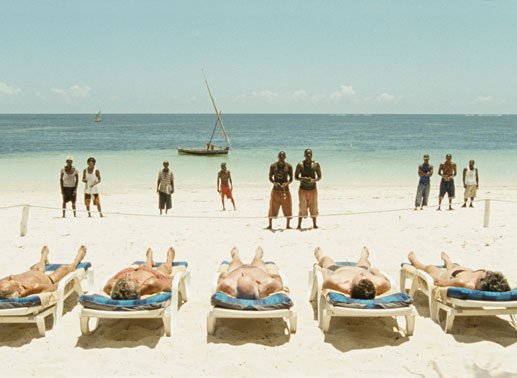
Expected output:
{"points": [[327, 310], [453, 307], [223, 313], [179, 294], [37, 314]]}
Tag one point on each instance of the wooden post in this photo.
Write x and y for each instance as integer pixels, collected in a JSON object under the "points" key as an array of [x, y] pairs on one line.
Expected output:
{"points": [[25, 219], [487, 213]]}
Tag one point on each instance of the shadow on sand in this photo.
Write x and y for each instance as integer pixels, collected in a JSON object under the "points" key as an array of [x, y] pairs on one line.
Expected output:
{"points": [[267, 332]]}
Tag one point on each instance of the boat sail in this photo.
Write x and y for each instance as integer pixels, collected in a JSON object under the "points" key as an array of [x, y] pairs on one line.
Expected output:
{"points": [[210, 148], [98, 117]]}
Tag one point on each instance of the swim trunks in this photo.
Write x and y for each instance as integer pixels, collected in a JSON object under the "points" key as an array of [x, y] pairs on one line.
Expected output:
{"points": [[226, 191]]}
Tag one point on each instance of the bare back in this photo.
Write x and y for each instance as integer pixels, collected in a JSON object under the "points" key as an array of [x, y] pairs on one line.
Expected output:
{"points": [[150, 280], [342, 278], [267, 283]]}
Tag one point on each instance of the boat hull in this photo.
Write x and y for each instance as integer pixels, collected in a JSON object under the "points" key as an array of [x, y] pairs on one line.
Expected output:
{"points": [[202, 151]]}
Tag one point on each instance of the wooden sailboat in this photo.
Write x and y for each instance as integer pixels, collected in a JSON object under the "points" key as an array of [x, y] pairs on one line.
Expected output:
{"points": [[210, 149], [98, 117]]}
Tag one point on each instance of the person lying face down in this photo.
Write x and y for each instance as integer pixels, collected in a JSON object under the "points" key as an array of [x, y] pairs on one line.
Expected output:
{"points": [[459, 276], [360, 281], [251, 281], [35, 281], [132, 283]]}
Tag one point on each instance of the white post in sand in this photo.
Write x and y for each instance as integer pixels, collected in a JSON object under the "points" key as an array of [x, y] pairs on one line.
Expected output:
{"points": [[487, 213], [25, 219]]}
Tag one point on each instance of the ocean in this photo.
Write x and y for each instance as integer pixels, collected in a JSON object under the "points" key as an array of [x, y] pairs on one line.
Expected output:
{"points": [[352, 150]]}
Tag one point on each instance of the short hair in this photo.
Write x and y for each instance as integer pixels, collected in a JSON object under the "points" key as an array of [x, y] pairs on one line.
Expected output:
{"points": [[493, 281], [446, 156], [307, 150], [363, 290], [426, 156], [90, 159], [282, 153], [125, 289], [245, 292]]}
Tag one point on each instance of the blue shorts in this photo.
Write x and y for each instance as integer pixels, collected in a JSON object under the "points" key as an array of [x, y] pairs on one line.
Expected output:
{"points": [[447, 187]]}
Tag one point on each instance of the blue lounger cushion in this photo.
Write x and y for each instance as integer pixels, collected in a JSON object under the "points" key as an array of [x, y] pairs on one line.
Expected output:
{"points": [[34, 300], [101, 302], [174, 264], [396, 300], [479, 295], [275, 301]]}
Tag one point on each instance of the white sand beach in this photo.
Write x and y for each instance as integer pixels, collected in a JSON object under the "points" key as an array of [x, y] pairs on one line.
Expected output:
{"points": [[478, 346]]}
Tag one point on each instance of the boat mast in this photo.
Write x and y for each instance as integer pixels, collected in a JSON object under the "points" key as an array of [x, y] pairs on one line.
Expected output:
{"points": [[216, 111], [213, 132]]}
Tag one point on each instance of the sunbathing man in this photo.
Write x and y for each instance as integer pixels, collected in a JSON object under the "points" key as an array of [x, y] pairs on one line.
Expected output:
{"points": [[251, 281], [132, 283], [459, 276], [360, 281], [35, 281]]}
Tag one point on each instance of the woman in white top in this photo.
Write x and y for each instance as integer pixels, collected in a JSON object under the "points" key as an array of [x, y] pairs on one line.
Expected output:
{"points": [[470, 183], [92, 178]]}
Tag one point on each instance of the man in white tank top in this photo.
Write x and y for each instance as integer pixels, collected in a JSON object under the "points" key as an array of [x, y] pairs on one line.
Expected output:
{"points": [[470, 183], [68, 180], [92, 178]]}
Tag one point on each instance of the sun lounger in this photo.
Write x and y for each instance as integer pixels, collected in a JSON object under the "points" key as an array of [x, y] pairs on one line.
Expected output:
{"points": [[332, 303], [161, 305], [277, 305], [35, 308], [457, 301]]}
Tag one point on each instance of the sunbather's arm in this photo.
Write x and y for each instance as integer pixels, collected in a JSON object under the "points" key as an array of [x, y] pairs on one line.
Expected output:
{"points": [[454, 282], [37, 288]]}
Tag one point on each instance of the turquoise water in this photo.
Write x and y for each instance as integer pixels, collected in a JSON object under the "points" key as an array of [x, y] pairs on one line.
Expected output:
{"points": [[352, 149]]}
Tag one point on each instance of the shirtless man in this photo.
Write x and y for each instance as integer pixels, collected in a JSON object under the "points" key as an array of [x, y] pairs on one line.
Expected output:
{"points": [[280, 175], [248, 281], [68, 180], [360, 281], [459, 276], [308, 172], [132, 283], [35, 281], [225, 185], [447, 170]]}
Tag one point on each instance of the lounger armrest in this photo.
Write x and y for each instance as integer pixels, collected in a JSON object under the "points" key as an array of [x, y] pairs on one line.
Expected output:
{"points": [[282, 275], [214, 282], [428, 279], [61, 295], [176, 281], [319, 281], [390, 278]]}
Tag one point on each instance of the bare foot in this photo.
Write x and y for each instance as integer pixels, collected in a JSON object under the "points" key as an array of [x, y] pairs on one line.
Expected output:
{"points": [[171, 253], [149, 255], [471, 205], [44, 254], [259, 253], [446, 259], [318, 254], [464, 205], [234, 252], [412, 258], [80, 255], [365, 252], [438, 209]]}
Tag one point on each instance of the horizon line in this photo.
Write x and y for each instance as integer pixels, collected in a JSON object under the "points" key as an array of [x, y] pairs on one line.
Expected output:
{"points": [[338, 114]]}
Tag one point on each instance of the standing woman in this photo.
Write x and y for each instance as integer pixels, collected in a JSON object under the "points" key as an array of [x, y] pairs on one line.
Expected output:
{"points": [[92, 177]]}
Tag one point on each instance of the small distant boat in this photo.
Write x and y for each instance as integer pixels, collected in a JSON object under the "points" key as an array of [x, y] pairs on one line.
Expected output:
{"points": [[210, 149], [98, 117]]}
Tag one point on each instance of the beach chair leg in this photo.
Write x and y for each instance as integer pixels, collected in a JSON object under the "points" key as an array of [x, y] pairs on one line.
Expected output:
{"points": [[293, 322], [85, 325], [449, 320], [402, 281], [313, 290], [513, 319], [410, 325], [167, 320], [325, 321], [40, 322], [89, 276], [187, 287], [210, 324]]}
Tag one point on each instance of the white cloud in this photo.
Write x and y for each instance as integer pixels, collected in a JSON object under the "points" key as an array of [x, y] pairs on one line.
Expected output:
{"points": [[484, 99], [344, 91], [385, 97], [8, 90], [300, 93], [73, 92], [265, 94]]}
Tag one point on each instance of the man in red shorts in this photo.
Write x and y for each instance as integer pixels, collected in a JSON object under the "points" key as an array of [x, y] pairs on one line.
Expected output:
{"points": [[280, 175], [225, 185]]}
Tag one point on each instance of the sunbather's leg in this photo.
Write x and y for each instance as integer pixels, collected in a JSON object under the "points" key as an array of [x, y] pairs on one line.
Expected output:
{"points": [[323, 261], [167, 267], [236, 260], [447, 261], [149, 262], [40, 266], [431, 269], [62, 271], [363, 260], [257, 260]]}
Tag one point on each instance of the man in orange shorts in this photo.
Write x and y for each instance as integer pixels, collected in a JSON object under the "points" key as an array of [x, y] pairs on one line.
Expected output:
{"points": [[225, 185], [308, 172], [280, 175]]}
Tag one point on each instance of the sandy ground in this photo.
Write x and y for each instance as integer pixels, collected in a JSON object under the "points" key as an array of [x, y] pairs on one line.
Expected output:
{"points": [[481, 346]]}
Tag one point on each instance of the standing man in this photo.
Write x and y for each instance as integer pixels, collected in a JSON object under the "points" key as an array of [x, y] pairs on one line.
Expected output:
{"points": [[470, 183], [69, 180], [280, 175], [425, 171], [165, 187], [308, 172], [447, 170], [225, 185], [92, 178]]}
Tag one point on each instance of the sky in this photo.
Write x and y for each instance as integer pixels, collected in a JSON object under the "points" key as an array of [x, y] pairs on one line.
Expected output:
{"points": [[421, 57]]}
